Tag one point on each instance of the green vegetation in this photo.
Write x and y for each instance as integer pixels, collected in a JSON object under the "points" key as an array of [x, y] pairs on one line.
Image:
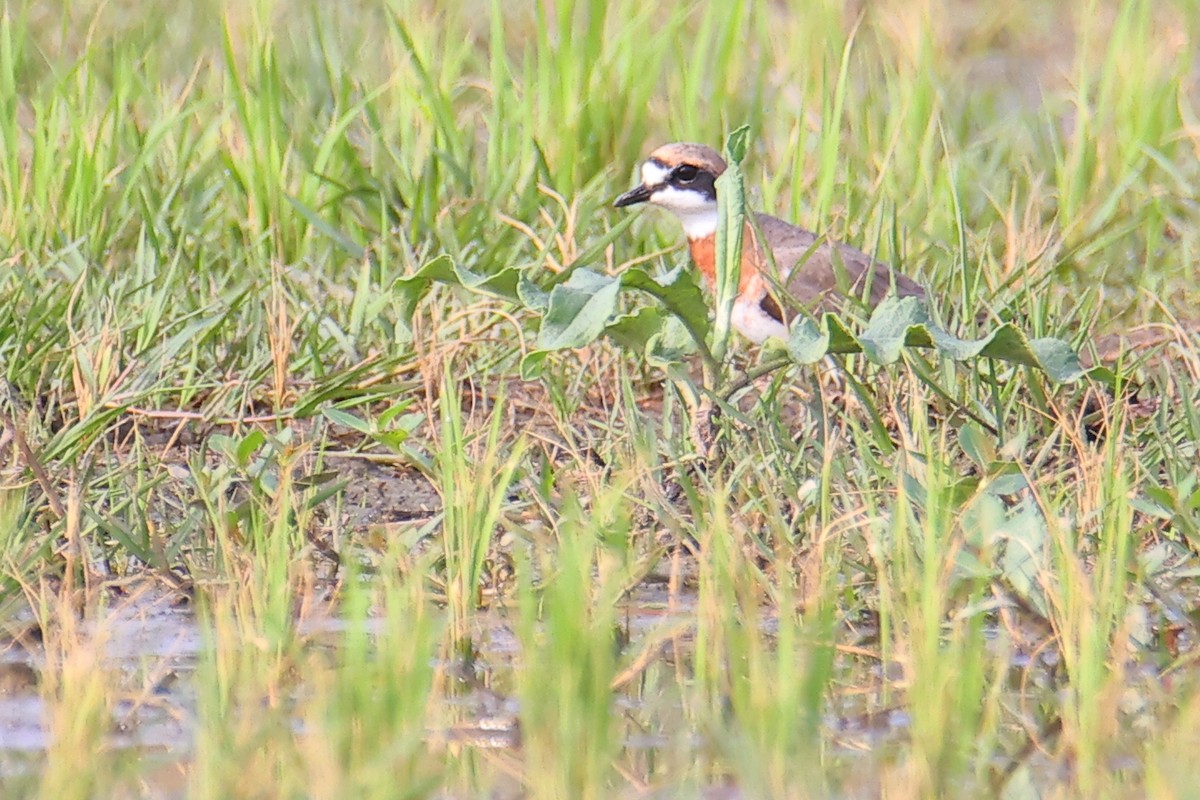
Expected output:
{"points": [[352, 445]]}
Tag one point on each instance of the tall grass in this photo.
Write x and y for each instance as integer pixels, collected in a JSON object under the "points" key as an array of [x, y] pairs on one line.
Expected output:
{"points": [[473, 491], [938, 579]]}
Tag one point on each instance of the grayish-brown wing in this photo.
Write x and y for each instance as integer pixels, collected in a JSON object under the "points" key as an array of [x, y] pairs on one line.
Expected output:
{"points": [[822, 276]]}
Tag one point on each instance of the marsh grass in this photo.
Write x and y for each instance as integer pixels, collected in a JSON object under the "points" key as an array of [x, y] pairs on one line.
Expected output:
{"points": [[931, 579], [474, 483]]}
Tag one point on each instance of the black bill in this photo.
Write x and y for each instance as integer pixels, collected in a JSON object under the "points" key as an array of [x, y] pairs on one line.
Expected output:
{"points": [[638, 194]]}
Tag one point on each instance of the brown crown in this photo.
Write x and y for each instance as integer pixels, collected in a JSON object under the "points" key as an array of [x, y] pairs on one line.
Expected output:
{"points": [[698, 155]]}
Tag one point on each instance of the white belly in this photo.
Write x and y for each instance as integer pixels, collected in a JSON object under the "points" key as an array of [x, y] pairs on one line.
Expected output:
{"points": [[750, 320]]}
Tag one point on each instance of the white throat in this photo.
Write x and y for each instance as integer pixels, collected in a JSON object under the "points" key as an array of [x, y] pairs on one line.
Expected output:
{"points": [[697, 213], [699, 223]]}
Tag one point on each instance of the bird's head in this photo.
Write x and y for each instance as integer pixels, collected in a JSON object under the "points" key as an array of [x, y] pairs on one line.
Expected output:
{"points": [[681, 177]]}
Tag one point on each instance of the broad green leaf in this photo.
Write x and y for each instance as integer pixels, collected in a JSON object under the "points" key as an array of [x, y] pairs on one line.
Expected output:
{"points": [[731, 225], [840, 337], [905, 322], [578, 310], [807, 343], [888, 329], [738, 143], [987, 524], [532, 296], [248, 446], [671, 344], [1057, 358], [532, 364], [810, 341], [1025, 559], [409, 290], [1008, 479], [978, 447], [635, 331], [678, 292]]}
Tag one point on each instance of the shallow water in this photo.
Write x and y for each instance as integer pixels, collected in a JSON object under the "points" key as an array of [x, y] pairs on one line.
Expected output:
{"points": [[150, 644]]}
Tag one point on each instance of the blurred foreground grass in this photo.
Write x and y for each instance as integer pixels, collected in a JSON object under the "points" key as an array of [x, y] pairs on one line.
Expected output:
{"points": [[207, 395]]}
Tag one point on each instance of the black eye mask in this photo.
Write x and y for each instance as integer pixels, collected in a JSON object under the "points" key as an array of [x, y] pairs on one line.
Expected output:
{"points": [[685, 177], [684, 174], [693, 179]]}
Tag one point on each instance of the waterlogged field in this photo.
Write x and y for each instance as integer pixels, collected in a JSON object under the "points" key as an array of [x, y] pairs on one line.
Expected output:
{"points": [[310, 486]]}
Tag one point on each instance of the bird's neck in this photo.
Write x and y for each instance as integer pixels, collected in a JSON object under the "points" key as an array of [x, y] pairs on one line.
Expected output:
{"points": [[703, 250], [699, 223]]}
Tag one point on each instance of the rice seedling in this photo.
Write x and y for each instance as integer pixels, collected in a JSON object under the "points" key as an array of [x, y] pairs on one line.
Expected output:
{"points": [[348, 436]]}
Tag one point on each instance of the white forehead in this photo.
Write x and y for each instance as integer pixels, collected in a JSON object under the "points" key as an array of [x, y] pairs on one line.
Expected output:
{"points": [[654, 173]]}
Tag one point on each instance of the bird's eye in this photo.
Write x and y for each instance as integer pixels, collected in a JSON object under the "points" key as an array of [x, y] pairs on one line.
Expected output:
{"points": [[685, 173]]}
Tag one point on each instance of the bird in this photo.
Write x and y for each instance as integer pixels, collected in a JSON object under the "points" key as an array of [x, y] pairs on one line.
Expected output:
{"points": [[818, 274]]}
